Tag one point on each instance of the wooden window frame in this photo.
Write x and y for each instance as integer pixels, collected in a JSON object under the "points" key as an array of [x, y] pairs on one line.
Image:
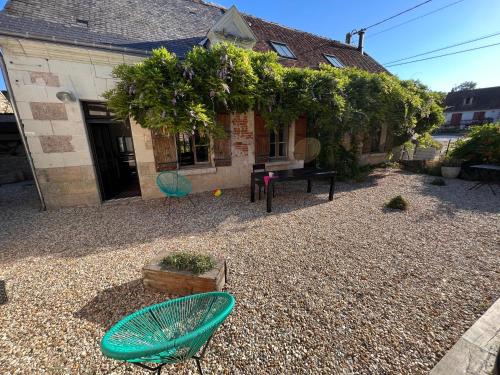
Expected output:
{"points": [[277, 142], [194, 146]]}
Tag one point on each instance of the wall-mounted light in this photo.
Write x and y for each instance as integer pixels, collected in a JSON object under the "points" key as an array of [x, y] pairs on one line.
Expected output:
{"points": [[65, 96]]}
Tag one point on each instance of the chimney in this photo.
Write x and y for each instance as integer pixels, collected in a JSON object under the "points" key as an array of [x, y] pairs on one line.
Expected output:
{"points": [[361, 40], [348, 38]]}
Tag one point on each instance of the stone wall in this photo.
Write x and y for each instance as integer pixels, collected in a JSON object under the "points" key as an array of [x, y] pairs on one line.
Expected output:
{"points": [[56, 131]]}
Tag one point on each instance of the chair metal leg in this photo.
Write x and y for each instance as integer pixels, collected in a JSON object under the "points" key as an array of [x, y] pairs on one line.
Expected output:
{"points": [[191, 201], [168, 203], [198, 364], [156, 369]]}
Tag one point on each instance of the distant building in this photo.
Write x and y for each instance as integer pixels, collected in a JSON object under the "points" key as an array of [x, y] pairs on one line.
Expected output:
{"points": [[472, 107]]}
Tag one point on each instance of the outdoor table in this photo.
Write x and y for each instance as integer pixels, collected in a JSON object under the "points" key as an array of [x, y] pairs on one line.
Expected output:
{"points": [[280, 176], [486, 171]]}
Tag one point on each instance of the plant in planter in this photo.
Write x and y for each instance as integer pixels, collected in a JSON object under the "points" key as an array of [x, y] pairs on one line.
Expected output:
{"points": [[398, 203], [450, 168], [184, 261], [183, 273]]}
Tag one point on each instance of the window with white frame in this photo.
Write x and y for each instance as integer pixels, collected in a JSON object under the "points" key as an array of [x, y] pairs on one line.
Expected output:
{"points": [[334, 61], [278, 143], [468, 100], [283, 50], [193, 149]]}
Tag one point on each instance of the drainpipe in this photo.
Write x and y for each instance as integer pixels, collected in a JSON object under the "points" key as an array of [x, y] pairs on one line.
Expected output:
{"points": [[20, 128]]}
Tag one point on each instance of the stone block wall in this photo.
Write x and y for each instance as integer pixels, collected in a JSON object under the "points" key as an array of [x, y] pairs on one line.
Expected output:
{"points": [[56, 131]]}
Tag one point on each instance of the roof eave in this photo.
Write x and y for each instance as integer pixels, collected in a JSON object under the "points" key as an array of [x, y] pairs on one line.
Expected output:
{"points": [[75, 43]]}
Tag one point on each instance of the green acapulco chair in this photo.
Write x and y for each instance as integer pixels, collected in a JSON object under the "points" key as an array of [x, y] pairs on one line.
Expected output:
{"points": [[169, 332], [174, 185]]}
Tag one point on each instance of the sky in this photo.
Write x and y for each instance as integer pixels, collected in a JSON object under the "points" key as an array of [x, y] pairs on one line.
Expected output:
{"points": [[463, 21]]}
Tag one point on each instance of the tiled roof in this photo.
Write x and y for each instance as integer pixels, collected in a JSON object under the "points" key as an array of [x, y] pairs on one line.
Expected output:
{"points": [[139, 24], [176, 24], [309, 49], [482, 99]]}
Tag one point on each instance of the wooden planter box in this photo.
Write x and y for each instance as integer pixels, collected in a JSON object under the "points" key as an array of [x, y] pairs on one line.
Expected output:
{"points": [[183, 283]]}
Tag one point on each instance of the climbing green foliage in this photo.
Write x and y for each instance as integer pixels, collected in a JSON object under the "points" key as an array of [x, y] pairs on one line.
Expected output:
{"points": [[427, 141], [164, 93]]}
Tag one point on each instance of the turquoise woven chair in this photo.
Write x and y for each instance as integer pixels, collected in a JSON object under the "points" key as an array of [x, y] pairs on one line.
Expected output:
{"points": [[169, 332], [174, 185]]}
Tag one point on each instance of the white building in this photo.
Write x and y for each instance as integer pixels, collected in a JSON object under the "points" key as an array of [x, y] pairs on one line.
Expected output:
{"points": [[472, 107]]}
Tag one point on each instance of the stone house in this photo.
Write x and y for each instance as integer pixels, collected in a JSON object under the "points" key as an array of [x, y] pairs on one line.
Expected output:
{"points": [[472, 107], [58, 59]]}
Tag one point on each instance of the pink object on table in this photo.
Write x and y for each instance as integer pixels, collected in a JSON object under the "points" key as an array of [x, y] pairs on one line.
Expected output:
{"points": [[267, 178]]}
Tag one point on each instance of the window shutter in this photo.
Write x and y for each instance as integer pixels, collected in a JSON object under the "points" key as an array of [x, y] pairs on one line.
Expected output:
{"points": [[261, 139], [300, 134], [164, 151], [222, 146]]}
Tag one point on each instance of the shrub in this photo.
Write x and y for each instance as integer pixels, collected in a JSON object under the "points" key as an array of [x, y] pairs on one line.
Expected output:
{"points": [[482, 145], [185, 261], [398, 203], [438, 182], [426, 141]]}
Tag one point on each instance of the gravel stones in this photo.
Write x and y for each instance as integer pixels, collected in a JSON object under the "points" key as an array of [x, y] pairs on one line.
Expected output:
{"points": [[320, 287]]}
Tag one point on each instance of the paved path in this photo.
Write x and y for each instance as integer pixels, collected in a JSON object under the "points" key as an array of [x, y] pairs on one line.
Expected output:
{"points": [[477, 349]]}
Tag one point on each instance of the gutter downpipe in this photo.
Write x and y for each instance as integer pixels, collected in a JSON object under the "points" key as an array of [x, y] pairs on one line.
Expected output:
{"points": [[20, 128]]}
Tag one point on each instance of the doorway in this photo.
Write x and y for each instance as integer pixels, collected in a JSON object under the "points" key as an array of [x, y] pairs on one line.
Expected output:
{"points": [[113, 153]]}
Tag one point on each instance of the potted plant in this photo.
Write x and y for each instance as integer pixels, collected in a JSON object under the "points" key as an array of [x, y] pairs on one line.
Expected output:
{"points": [[182, 273], [450, 168]]}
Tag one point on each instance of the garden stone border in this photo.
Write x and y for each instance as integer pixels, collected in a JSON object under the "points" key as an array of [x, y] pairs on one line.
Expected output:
{"points": [[476, 351]]}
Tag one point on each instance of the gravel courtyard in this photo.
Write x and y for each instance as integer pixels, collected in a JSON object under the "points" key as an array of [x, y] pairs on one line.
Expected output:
{"points": [[341, 287]]}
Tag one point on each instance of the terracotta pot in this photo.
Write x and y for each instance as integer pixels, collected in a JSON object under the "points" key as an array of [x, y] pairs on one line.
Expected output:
{"points": [[450, 172]]}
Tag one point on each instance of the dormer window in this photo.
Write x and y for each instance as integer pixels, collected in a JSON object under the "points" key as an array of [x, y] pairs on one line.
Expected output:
{"points": [[334, 61], [468, 100], [283, 50]]}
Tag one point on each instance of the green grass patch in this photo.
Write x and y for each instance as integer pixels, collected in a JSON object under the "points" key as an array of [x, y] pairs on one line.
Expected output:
{"points": [[398, 203], [185, 261]]}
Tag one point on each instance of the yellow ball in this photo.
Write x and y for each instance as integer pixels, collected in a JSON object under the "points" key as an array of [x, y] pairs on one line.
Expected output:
{"points": [[217, 193]]}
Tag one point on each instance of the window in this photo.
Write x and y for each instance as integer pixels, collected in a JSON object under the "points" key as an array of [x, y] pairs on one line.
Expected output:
{"points": [[125, 144], [478, 116], [334, 61], [283, 50], [468, 100], [193, 149], [278, 143]]}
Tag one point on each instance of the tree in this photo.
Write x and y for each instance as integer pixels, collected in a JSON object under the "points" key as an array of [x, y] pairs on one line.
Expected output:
{"points": [[467, 85]]}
